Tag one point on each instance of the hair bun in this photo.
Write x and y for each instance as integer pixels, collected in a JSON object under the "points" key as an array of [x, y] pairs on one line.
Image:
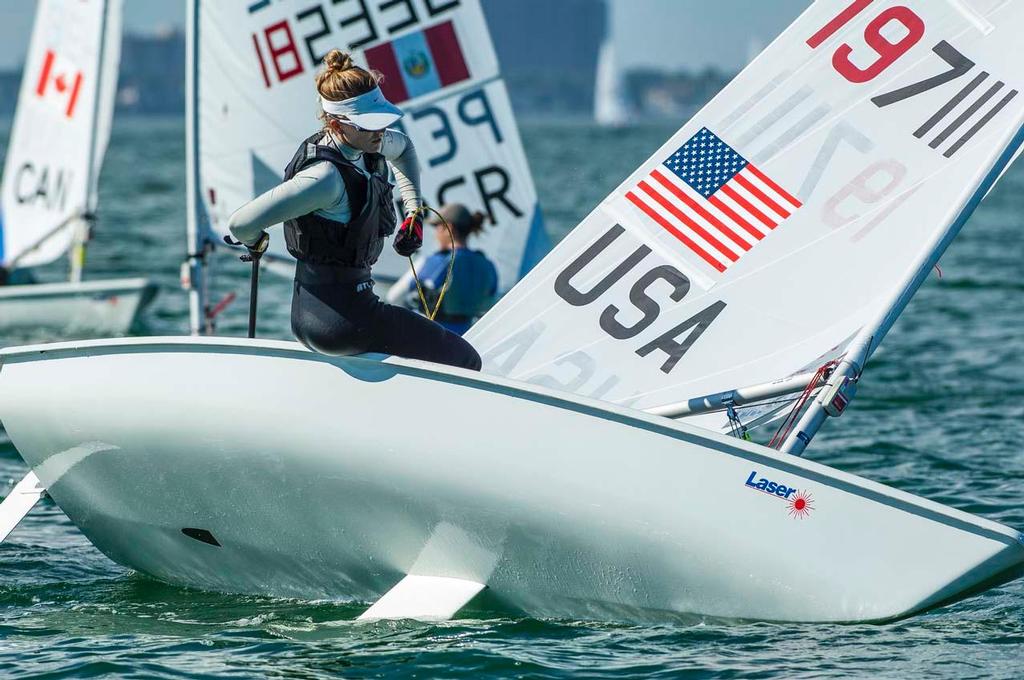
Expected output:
{"points": [[336, 60], [341, 78], [478, 218]]}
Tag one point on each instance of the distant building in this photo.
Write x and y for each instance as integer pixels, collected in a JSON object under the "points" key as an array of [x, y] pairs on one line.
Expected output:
{"points": [[548, 52], [152, 78]]}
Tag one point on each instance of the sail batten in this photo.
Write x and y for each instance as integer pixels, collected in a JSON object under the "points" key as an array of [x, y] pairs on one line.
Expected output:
{"points": [[779, 222]]}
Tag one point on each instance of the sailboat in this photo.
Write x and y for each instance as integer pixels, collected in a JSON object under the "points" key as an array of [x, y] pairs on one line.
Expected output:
{"points": [[251, 66], [49, 194], [586, 478], [610, 105]]}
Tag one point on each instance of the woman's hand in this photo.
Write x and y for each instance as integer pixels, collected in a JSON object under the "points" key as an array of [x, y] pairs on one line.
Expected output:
{"points": [[260, 246], [410, 236], [255, 250]]}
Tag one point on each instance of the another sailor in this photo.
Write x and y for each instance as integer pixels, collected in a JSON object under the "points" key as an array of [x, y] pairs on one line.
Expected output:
{"points": [[336, 205], [474, 280]]}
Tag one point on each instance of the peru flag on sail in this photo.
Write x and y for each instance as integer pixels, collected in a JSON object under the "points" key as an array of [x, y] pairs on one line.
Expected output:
{"points": [[255, 63], [710, 198], [59, 82], [419, 63]]}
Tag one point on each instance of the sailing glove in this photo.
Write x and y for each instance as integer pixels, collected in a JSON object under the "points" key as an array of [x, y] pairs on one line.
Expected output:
{"points": [[410, 236], [261, 245], [255, 251]]}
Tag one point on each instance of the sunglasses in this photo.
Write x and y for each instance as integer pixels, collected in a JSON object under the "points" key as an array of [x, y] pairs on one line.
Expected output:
{"points": [[345, 121]]}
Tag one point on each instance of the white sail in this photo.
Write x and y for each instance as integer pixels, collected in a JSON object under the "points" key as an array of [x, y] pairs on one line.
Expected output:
{"points": [[255, 101], [610, 107], [781, 219], [61, 127]]}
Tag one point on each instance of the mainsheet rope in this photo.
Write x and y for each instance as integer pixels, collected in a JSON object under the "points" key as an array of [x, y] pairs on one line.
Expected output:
{"points": [[787, 425], [430, 314]]}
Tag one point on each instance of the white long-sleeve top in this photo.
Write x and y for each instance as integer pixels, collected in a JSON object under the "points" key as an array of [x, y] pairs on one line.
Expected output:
{"points": [[319, 188]]}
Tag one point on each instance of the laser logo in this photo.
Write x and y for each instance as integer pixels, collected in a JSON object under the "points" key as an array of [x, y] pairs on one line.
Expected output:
{"points": [[800, 503]]}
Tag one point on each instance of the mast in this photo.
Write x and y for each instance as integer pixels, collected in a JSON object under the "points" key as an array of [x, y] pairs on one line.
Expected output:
{"points": [[84, 224], [834, 397], [194, 267]]}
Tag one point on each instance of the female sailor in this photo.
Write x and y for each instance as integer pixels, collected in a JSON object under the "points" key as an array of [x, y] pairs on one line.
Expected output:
{"points": [[337, 211], [474, 279]]}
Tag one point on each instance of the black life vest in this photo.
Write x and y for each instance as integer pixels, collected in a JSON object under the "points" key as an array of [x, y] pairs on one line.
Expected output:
{"points": [[318, 240]]}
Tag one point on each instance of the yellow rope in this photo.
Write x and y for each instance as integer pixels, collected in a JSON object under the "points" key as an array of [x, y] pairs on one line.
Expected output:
{"points": [[451, 265]]}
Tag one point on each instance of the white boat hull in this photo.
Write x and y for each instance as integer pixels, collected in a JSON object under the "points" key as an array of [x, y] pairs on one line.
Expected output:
{"points": [[303, 475], [98, 307]]}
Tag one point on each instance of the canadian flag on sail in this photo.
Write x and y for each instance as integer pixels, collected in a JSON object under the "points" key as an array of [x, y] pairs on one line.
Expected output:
{"points": [[60, 81]]}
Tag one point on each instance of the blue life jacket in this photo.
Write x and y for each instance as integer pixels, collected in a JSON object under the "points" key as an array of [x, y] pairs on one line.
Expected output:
{"points": [[471, 293]]}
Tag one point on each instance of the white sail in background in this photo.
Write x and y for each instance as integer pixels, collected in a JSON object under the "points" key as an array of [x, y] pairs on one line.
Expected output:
{"points": [[256, 101], [108, 88], [610, 107], [61, 128], [781, 219]]}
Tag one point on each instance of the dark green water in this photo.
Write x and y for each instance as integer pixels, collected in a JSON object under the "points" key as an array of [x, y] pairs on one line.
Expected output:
{"points": [[940, 413]]}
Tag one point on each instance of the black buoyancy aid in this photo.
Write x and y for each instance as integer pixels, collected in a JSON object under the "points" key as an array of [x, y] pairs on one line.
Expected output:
{"points": [[318, 240]]}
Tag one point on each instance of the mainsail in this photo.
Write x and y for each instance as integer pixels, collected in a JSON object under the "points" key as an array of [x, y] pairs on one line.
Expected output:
{"points": [[254, 100], [61, 128], [787, 214]]}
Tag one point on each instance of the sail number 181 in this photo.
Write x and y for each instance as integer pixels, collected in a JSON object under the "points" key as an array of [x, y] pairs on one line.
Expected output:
{"points": [[886, 51]]}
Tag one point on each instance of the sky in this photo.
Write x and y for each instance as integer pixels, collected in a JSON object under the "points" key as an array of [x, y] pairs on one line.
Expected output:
{"points": [[670, 34], [692, 34]]}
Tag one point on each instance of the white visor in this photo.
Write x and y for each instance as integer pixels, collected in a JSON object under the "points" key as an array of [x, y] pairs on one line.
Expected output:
{"points": [[370, 111]]}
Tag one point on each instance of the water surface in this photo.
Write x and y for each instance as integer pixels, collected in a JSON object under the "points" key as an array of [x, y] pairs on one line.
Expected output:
{"points": [[940, 413]]}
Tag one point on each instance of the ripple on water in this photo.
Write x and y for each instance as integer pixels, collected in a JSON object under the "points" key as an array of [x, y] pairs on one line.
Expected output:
{"points": [[939, 414]]}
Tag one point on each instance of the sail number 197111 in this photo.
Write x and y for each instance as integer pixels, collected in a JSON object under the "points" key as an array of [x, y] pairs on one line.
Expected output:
{"points": [[887, 51]]}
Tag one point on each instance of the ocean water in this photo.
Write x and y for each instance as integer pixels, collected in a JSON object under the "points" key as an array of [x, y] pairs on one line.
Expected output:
{"points": [[940, 413]]}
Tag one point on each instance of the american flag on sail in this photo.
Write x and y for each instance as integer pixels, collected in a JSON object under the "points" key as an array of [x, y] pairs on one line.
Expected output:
{"points": [[710, 198]]}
